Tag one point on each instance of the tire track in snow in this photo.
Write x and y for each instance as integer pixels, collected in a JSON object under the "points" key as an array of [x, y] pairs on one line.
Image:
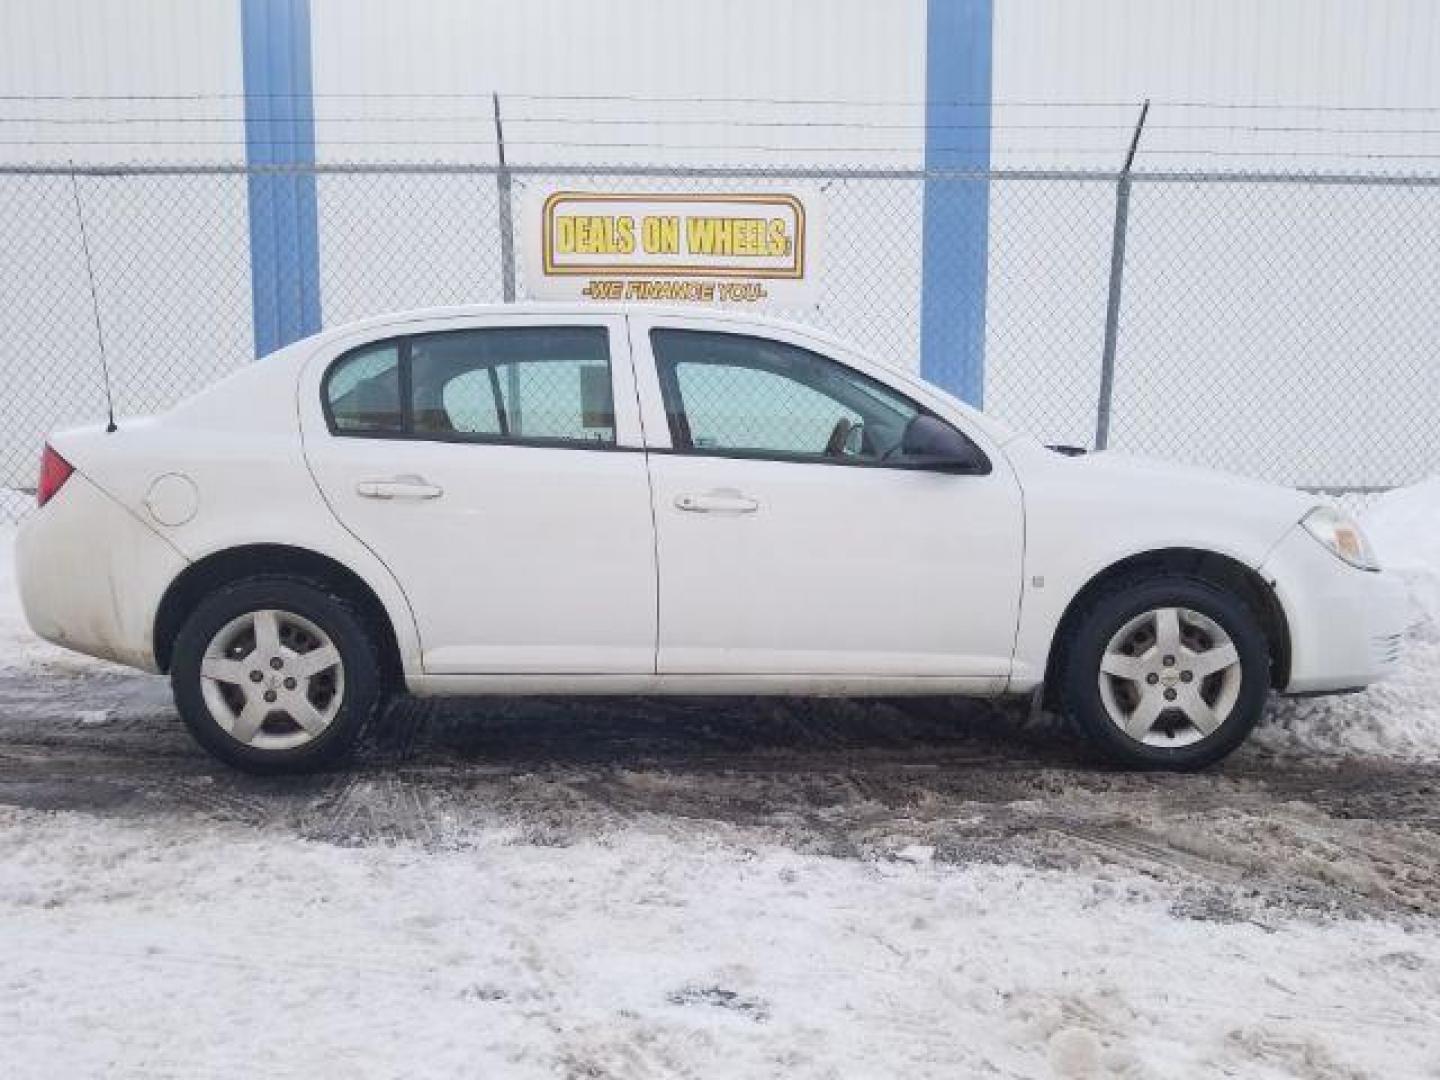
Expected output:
{"points": [[853, 779]]}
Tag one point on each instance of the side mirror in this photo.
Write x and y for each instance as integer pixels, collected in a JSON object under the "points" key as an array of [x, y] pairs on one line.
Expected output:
{"points": [[931, 443]]}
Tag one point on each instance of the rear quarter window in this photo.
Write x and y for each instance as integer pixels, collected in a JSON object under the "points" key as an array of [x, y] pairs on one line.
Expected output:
{"points": [[362, 392]]}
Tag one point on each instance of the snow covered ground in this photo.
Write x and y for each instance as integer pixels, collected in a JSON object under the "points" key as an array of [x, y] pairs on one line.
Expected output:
{"points": [[683, 906], [191, 951]]}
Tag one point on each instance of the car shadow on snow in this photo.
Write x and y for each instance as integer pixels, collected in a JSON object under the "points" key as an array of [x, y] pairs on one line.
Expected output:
{"points": [[712, 732]]}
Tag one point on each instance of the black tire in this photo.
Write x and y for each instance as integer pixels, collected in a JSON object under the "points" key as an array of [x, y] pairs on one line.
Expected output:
{"points": [[1107, 613], [363, 690]]}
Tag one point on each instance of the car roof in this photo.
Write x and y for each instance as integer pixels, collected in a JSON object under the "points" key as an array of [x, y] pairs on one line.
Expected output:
{"points": [[562, 309]]}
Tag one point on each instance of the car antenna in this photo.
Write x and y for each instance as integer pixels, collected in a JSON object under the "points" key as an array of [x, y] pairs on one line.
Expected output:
{"points": [[94, 302]]}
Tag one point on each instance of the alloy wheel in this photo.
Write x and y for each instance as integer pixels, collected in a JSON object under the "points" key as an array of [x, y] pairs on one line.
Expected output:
{"points": [[272, 680], [1170, 677]]}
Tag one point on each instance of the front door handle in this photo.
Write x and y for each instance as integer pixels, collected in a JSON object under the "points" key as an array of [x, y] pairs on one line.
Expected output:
{"points": [[722, 501], [398, 487]]}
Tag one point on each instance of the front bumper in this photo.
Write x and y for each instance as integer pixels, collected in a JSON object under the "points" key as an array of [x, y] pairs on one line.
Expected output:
{"points": [[1346, 625]]}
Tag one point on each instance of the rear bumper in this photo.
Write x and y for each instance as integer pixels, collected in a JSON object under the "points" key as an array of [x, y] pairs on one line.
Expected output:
{"points": [[1346, 625], [91, 575]]}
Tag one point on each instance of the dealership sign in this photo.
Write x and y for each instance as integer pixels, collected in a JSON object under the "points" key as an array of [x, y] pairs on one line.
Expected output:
{"points": [[750, 249]]}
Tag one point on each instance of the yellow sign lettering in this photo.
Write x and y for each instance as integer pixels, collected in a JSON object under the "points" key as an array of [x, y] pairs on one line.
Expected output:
{"points": [[594, 235], [660, 235]]}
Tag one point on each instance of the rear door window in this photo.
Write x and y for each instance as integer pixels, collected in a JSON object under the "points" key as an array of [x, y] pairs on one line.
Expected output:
{"points": [[528, 385]]}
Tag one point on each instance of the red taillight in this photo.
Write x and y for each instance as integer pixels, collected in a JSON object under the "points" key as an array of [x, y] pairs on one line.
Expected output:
{"points": [[54, 471]]}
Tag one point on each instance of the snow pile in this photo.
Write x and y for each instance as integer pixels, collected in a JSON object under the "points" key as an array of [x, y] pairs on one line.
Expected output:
{"points": [[1398, 717], [186, 951], [1395, 718], [1404, 526]]}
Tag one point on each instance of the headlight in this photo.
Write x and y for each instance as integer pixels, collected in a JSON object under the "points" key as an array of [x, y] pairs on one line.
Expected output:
{"points": [[1338, 532]]}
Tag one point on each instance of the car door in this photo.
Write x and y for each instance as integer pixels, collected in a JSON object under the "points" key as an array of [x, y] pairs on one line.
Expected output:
{"points": [[497, 469], [792, 537]]}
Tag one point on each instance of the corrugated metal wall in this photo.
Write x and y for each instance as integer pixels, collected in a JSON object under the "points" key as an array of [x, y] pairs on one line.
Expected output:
{"points": [[1202, 58], [165, 76], [645, 61], [142, 80]]}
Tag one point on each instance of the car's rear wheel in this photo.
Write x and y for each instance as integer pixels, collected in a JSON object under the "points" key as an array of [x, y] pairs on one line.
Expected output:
{"points": [[1168, 672], [276, 674]]}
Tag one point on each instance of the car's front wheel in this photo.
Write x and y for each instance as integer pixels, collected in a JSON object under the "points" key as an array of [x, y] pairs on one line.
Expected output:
{"points": [[276, 674], [1166, 672]]}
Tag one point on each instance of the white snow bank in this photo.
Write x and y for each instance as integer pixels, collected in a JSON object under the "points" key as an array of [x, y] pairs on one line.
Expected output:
{"points": [[1404, 526], [1398, 717], [184, 951], [1395, 718]]}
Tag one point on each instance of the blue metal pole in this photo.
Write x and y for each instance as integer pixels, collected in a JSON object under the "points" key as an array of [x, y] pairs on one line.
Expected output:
{"points": [[280, 130], [957, 211]]}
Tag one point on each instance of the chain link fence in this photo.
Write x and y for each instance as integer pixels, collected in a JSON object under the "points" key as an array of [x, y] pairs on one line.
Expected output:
{"points": [[1280, 326]]}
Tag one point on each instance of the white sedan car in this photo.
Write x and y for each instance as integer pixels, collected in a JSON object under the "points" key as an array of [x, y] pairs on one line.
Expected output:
{"points": [[580, 500]]}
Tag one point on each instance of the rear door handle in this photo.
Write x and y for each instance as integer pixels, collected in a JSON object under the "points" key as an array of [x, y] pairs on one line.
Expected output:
{"points": [[398, 487], [723, 501]]}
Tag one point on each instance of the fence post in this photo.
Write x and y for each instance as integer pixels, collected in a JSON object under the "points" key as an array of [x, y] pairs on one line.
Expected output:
{"points": [[1117, 278], [507, 228]]}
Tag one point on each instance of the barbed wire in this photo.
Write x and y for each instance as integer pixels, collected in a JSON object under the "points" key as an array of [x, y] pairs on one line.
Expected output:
{"points": [[487, 120], [664, 99], [995, 151], [1003, 135]]}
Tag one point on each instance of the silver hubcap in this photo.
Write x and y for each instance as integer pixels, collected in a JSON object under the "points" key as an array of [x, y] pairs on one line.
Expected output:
{"points": [[1170, 677], [272, 680]]}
